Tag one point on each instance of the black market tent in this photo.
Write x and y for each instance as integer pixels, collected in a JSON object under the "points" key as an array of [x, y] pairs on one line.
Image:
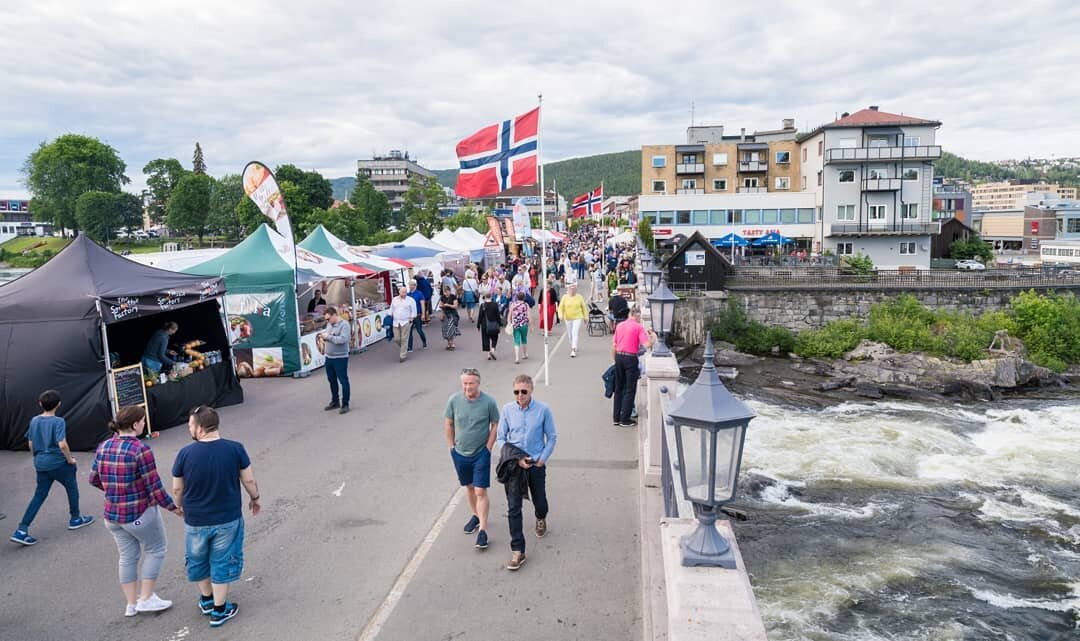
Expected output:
{"points": [[51, 337]]}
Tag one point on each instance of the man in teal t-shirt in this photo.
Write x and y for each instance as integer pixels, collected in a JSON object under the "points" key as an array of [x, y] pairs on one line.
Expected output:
{"points": [[472, 420]]}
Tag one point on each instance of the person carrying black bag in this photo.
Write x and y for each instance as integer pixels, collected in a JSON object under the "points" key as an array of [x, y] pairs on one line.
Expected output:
{"points": [[489, 322]]}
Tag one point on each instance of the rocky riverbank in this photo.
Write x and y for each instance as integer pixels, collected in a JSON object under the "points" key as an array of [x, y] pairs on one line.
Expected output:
{"points": [[876, 371]]}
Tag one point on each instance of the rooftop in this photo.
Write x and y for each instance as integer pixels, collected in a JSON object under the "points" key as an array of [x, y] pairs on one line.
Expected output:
{"points": [[874, 117]]}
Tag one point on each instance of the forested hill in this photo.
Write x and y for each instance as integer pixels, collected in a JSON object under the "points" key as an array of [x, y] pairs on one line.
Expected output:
{"points": [[955, 167], [620, 172]]}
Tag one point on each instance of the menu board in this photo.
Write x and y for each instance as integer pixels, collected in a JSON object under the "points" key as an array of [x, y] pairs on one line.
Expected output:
{"points": [[129, 389]]}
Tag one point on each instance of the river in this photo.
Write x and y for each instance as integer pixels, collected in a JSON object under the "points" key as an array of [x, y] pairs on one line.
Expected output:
{"points": [[898, 521]]}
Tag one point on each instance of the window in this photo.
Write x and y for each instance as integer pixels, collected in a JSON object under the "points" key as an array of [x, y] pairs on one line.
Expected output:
{"points": [[847, 176], [820, 213], [689, 159], [804, 154], [907, 248], [788, 216], [783, 157], [876, 174], [877, 212], [700, 217], [911, 141], [659, 186], [847, 143], [689, 183], [719, 158], [878, 141], [803, 187], [659, 161], [845, 212], [845, 249], [910, 211], [719, 184], [749, 182], [770, 216], [821, 147], [1072, 225], [717, 216], [911, 174], [820, 177], [682, 218], [735, 217], [751, 216], [667, 217], [806, 214], [783, 182]]}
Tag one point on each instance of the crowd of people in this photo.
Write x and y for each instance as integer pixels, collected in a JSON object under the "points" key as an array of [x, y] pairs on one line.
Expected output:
{"points": [[208, 474]]}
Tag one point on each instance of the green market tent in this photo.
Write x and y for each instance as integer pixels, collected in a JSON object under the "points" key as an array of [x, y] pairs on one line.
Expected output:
{"points": [[322, 242]]}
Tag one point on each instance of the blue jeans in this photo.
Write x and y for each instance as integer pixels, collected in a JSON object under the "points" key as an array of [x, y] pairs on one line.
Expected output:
{"points": [[337, 369], [537, 477], [418, 327], [214, 551], [64, 475]]}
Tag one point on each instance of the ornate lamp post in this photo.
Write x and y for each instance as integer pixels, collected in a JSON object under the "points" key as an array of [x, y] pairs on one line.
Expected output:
{"points": [[710, 428], [662, 304], [650, 279]]}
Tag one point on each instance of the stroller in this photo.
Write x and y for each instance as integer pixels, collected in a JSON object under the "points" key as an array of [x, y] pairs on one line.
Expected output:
{"points": [[597, 321]]}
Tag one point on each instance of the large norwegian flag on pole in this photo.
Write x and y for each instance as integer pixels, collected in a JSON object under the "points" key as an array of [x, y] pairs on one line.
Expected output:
{"points": [[498, 157], [588, 204]]}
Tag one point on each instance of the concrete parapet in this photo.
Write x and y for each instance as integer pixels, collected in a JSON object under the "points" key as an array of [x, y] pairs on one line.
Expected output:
{"points": [[660, 371]]}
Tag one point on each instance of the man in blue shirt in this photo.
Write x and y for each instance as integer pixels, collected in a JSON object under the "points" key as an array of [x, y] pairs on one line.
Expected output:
{"points": [[418, 322], [527, 424]]}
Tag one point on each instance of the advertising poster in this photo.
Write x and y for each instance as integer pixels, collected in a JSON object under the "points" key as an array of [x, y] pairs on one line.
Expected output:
{"points": [[522, 223], [371, 327], [262, 188], [312, 352], [259, 362], [257, 320]]}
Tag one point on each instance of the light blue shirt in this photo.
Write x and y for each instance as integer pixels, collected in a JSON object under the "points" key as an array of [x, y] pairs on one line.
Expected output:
{"points": [[531, 429]]}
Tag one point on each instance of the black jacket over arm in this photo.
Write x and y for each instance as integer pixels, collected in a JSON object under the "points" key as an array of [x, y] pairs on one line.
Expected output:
{"points": [[509, 473]]}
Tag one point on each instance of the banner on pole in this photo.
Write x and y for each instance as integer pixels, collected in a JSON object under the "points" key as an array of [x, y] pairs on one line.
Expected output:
{"points": [[522, 222], [262, 188]]}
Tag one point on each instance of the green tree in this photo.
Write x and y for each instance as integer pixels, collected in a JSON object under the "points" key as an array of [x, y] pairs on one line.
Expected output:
{"points": [[162, 174], [96, 214], [198, 165], [129, 210], [226, 195], [343, 221], [371, 205], [421, 205], [57, 173], [644, 229], [969, 248], [318, 192], [249, 217], [189, 206], [467, 216], [299, 208]]}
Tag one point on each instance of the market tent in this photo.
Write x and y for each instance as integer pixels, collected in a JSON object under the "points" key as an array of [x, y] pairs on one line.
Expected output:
{"points": [[772, 239], [625, 237], [463, 243], [447, 239], [51, 334], [731, 239], [322, 242], [176, 261], [470, 234], [407, 252], [419, 240]]}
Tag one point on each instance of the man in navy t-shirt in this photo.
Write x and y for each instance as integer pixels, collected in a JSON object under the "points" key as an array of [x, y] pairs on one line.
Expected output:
{"points": [[206, 483]]}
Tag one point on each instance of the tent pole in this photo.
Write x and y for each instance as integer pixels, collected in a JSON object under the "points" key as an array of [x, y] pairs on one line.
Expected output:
{"points": [[108, 360]]}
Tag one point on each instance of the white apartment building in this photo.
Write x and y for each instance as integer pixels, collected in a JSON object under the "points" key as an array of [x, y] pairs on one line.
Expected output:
{"points": [[871, 173], [391, 174], [1009, 194], [750, 215]]}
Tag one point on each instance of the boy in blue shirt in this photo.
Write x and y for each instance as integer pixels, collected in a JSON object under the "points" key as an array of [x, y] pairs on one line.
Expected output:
{"points": [[54, 463]]}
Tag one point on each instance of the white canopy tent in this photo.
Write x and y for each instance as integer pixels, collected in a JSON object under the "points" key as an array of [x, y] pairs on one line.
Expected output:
{"points": [[448, 239], [419, 240], [625, 237], [471, 236]]}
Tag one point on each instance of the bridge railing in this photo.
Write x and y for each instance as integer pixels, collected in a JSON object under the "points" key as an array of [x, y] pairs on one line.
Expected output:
{"points": [[834, 277]]}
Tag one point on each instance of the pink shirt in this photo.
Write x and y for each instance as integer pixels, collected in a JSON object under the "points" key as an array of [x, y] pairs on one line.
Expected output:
{"points": [[629, 336]]}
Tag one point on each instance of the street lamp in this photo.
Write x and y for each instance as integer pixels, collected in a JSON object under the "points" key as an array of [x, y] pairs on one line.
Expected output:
{"points": [[710, 428], [646, 260], [662, 305], [650, 278]]}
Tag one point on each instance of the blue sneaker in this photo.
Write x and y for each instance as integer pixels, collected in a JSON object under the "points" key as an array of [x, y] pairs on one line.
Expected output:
{"points": [[218, 619], [206, 606], [22, 537], [473, 524], [481, 540], [81, 521]]}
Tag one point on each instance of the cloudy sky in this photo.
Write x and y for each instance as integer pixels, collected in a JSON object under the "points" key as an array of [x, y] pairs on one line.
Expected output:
{"points": [[321, 86]]}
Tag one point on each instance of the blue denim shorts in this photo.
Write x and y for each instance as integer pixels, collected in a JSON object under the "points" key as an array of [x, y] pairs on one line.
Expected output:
{"points": [[214, 551], [473, 470]]}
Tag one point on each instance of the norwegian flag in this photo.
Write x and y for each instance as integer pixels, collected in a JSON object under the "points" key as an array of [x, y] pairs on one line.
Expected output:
{"points": [[588, 204], [499, 157]]}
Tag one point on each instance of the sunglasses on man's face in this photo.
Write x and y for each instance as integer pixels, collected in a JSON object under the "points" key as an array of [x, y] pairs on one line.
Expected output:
{"points": [[520, 392]]}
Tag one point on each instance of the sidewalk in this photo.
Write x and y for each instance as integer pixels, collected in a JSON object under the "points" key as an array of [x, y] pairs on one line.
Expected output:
{"points": [[581, 581]]}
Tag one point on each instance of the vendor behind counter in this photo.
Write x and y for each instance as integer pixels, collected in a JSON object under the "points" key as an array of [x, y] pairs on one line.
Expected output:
{"points": [[156, 355]]}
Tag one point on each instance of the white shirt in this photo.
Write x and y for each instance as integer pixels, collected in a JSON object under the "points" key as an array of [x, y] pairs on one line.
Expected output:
{"points": [[403, 310]]}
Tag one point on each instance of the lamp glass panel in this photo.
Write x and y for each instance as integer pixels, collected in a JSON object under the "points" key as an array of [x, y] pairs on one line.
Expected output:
{"points": [[667, 315], [727, 463], [695, 463]]}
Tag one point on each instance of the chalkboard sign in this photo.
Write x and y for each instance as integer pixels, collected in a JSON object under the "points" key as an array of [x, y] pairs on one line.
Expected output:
{"points": [[128, 388]]}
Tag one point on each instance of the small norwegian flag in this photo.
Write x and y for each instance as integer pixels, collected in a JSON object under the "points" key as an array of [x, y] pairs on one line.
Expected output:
{"points": [[498, 157], [588, 204]]}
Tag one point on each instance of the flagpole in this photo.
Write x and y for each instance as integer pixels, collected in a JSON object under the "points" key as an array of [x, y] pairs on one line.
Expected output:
{"points": [[543, 239]]}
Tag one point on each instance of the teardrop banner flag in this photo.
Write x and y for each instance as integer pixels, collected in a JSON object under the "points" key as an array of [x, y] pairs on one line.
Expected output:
{"points": [[262, 188]]}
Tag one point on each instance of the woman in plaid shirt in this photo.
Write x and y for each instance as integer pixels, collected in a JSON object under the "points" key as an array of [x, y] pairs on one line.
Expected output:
{"points": [[124, 468]]}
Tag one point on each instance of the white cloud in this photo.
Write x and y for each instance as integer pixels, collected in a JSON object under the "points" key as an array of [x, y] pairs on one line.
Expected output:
{"points": [[320, 86]]}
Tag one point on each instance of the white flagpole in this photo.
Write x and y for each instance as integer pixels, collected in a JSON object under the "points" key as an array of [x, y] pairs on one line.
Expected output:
{"points": [[543, 240]]}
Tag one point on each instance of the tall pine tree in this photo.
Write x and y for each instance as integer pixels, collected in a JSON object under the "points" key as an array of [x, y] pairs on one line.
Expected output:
{"points": [[198, 165]]}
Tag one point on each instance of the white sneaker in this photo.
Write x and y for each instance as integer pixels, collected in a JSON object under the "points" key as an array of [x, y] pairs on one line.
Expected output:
{"points": [[131, 610], [153, 604]]}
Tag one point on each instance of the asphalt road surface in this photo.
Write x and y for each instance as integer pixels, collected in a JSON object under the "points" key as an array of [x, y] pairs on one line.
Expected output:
{"points": [[360, 537]]}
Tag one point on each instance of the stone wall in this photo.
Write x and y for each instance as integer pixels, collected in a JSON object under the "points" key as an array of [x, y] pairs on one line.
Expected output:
{"points": [[800, 309]]}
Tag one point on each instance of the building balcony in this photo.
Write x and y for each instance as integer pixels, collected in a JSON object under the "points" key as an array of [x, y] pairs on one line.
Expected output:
{"points": [[882, 154], [690, 192], [752, 190], [750, 166], [884, 229], [690, 168], [882, 184]]}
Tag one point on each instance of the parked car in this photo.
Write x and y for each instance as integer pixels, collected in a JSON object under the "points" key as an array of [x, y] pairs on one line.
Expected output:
{"points": [[970, 265], [140, 234], [122, 234], [151, 233]]}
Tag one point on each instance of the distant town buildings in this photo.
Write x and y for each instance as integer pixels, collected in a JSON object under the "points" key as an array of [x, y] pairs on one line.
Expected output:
{"points": [[951, 201], [1063, 218], [859, 184], [1006, 195], [16, 219], [391, 174]]}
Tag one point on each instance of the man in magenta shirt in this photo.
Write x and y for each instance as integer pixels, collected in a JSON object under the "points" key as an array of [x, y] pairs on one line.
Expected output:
{"points": [[630, 336]]}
